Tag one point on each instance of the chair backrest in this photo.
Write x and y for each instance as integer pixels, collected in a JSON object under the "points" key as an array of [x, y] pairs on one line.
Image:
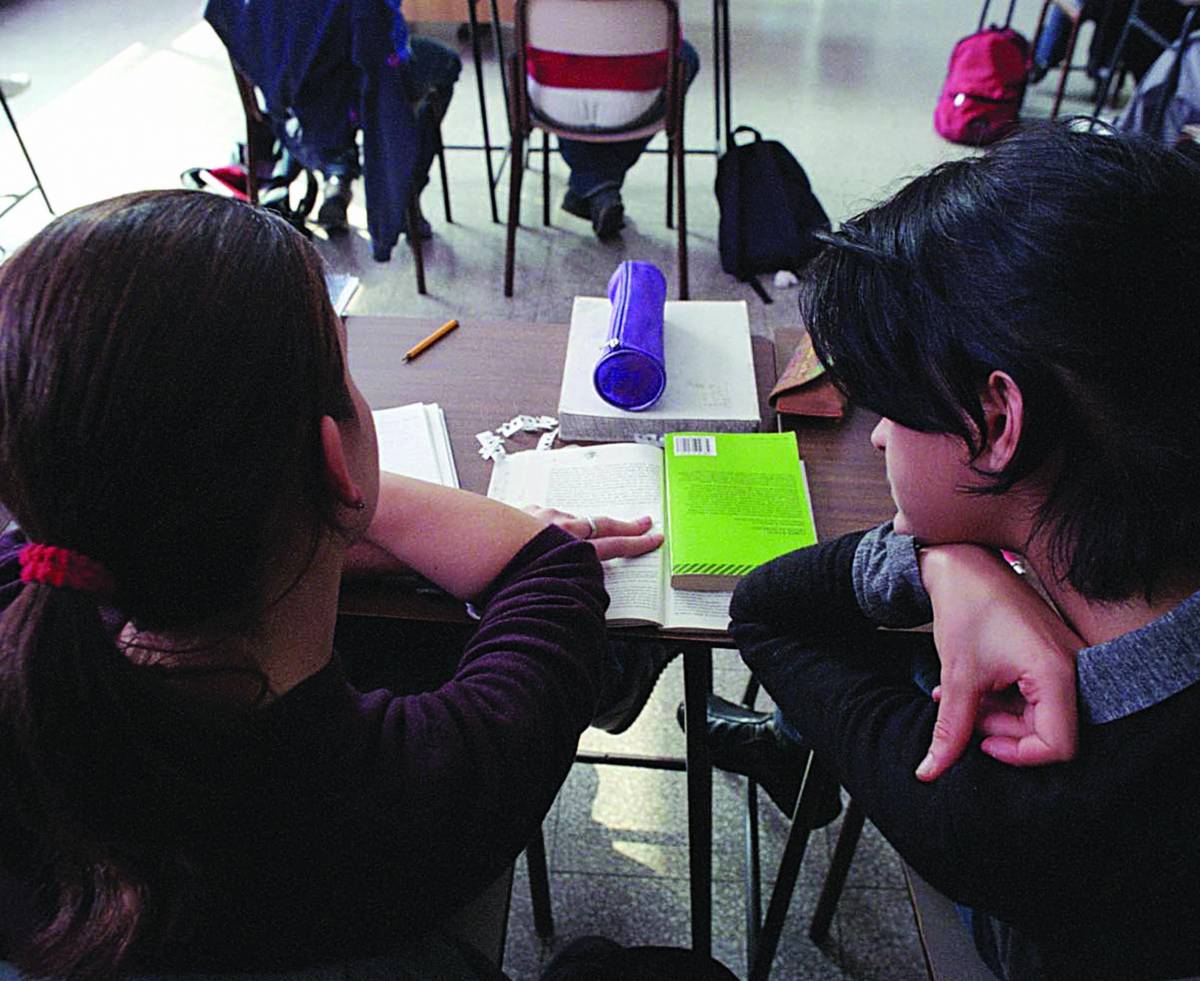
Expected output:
{"points": [[258, 135], [597, 65]]}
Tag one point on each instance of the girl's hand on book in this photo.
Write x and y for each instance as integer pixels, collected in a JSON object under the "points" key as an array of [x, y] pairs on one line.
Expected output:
{"points": [[612, 537], [1008, 663]]}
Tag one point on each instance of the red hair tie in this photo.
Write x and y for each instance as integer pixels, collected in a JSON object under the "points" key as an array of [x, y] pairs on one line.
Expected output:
{"points": [[64, 569]]}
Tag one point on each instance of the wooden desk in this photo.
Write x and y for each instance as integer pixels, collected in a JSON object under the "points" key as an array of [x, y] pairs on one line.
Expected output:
{"points": [[485, 373], [845, 473], [452, 11]]}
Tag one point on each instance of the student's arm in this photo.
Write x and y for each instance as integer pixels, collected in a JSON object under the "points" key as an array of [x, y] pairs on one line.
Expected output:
{"points": [[988, 834], [991, 629], [461, 541], [994, 634], [475, 765]]}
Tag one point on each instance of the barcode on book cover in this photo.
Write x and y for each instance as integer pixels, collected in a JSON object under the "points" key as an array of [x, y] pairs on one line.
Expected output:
{"points": [[695, 445]]}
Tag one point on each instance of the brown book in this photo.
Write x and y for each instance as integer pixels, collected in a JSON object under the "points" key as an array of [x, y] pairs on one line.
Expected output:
{"points": [[804, 389]]}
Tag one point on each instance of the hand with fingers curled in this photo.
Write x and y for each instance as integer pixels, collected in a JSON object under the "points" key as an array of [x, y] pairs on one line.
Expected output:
{"points": [[612, 537], [1007, 663]]}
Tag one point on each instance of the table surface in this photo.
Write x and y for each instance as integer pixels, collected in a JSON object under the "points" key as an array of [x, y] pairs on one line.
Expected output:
{"points": [[486, 372]]}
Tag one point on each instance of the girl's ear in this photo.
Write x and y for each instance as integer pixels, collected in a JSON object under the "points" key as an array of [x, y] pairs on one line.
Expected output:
{"points": [[337, 470], [1004, 415]]}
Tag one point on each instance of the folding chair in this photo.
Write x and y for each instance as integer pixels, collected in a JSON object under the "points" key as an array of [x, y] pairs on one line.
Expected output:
{"points": [[259, 140], [595, 27], [1135, 22], [949, 953]]}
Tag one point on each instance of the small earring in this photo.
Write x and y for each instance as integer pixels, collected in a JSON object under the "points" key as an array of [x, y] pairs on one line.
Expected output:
{"points": [[360, 505]]}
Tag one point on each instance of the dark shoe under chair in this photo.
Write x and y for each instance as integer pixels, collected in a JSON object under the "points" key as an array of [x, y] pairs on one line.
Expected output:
{"points": [[642, 662], [604, 210], [332, 216], [743, 741]]}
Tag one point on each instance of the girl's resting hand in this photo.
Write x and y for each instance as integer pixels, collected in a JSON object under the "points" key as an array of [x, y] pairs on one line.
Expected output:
{"points": [[612, 537]]}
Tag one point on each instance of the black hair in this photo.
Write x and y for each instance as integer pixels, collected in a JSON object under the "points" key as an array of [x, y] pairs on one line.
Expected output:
{"points": [[165, 360], [1068, 260]]}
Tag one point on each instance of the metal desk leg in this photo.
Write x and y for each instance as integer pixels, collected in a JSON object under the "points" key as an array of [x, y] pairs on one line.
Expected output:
{"points": [[697, 683], [477, 56], [716, 49], [28, 159], [726, 68], [498, 38]]}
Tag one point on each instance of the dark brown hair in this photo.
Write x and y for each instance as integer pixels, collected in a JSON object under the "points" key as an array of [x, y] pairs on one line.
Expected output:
{"points": [[1068, 260], [165, 359]]}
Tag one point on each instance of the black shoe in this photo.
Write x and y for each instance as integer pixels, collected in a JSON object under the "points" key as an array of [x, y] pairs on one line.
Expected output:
{"points": [[573, 204], [332, 216], [424, 229], [603, 209], [643, 663], [748, 742], [608, 213]]}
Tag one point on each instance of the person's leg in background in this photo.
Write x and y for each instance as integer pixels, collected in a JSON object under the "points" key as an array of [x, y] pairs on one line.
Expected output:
{"points": [[433, 70], [328, 131], [598, 169], [1051, 43], [338, 173]]}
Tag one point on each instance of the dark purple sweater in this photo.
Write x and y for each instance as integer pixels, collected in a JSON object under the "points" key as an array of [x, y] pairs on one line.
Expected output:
{"points": [[343, 820]]}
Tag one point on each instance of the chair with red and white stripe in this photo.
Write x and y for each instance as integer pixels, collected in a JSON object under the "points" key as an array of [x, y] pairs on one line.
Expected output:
{"points": [[613, 62]]}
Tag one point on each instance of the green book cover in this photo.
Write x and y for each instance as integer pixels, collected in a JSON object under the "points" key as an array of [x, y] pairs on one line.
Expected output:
{"points": [[733, 501]]}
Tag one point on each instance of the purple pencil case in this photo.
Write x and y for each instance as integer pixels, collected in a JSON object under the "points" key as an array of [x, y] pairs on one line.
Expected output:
{"points": [[632, 373]]}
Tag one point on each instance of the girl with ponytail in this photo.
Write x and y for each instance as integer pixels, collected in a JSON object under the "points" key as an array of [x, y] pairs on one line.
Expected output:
{"points": [[190, 783]]}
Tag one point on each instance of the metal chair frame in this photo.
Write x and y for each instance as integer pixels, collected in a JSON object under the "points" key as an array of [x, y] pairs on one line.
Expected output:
{"points": [[1134, 22], [523, 118], [17, 198]]}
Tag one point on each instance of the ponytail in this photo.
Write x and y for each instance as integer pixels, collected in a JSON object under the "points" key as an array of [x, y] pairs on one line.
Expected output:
{"points": [[62, 733]]}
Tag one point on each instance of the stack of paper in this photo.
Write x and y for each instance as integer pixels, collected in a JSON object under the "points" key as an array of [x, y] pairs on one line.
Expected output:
{"points": [[710, 374], [342, 287], [414, 441]]}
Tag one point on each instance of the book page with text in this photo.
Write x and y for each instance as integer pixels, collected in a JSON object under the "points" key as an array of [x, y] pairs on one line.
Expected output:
{"points": [[621, 480], [692, 609], [413, 441]]}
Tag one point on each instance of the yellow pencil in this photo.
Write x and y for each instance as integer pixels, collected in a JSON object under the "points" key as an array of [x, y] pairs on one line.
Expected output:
{"points": [[429, 341]]}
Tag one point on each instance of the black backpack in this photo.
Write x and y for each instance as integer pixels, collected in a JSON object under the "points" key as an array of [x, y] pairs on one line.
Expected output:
{"points": [[768, 210]]}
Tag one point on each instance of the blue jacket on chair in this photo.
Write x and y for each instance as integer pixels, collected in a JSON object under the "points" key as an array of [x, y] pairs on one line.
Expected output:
{"points": [[326, 67]]}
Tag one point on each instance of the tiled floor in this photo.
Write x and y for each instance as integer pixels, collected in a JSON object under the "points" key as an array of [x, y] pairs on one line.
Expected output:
{"points": [[126, 95]]}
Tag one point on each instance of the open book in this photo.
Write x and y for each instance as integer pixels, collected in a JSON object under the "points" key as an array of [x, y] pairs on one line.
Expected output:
{"points": [[413, 441], [622, 480]]}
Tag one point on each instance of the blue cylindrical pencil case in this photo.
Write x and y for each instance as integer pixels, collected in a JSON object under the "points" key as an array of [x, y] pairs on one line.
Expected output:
{"points": [[632, 372]]}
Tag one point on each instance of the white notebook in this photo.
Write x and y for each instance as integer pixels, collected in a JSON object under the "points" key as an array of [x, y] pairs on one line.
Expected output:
{"points": [[414, 441], [342, 287], [710, 374]]}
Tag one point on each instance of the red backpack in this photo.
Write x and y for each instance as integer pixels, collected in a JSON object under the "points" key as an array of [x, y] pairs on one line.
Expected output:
{"points": [[985, 84]]}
